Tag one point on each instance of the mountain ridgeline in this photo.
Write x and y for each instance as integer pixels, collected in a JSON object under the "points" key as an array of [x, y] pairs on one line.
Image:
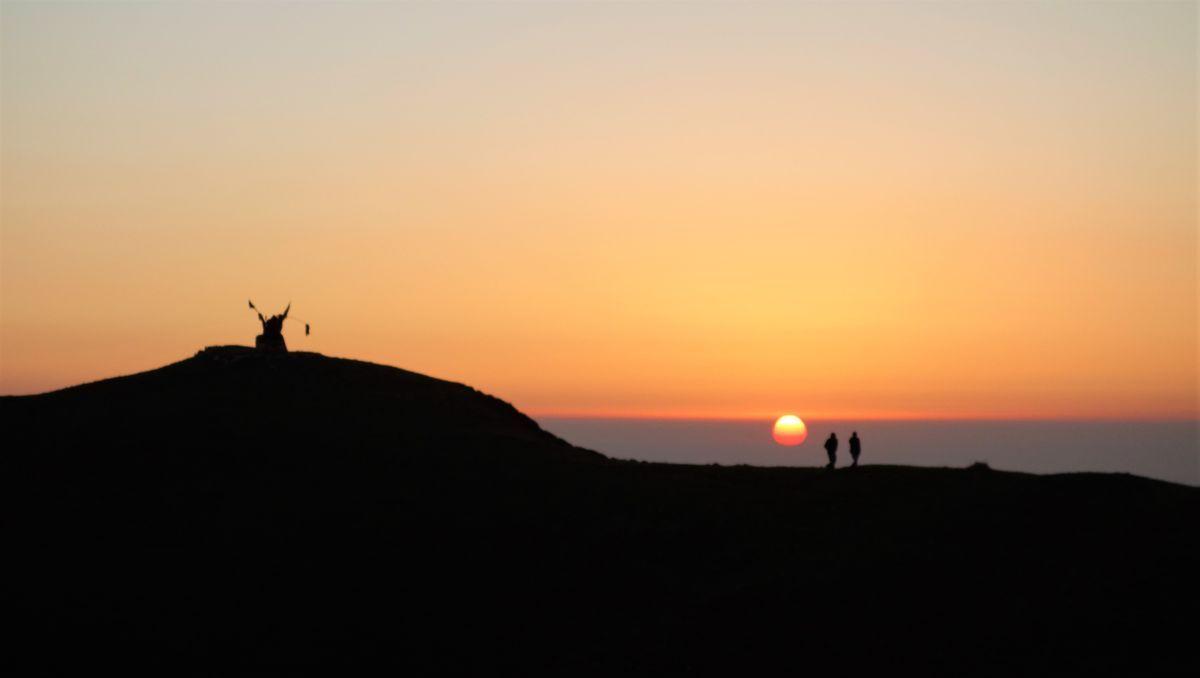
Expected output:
{"points": [[232, 395], [279, 511]]}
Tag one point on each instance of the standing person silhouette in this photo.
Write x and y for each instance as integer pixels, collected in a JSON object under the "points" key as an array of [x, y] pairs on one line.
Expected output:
{"points": [[855, 448], [831, 449]]}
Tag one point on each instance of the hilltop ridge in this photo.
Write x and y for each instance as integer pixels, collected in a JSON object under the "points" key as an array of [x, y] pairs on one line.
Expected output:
{"points": [[296, 398]]}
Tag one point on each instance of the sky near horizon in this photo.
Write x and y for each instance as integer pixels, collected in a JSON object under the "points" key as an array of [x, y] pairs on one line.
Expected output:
{"points": [[965, 210]]}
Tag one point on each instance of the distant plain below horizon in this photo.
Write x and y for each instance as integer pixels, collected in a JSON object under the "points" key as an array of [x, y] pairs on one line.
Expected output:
{"points": [[1163, 450]]}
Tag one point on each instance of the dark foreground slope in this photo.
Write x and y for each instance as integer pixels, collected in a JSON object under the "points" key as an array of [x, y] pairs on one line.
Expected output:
{"points": [[269, 513]]}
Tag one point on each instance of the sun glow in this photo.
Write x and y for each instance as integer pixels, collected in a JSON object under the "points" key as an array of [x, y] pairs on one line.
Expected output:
{"points": [[604, 245], [789, 430]]}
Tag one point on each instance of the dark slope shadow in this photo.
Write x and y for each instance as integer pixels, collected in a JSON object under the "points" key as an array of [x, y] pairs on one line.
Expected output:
{"points": [[274, 512]]}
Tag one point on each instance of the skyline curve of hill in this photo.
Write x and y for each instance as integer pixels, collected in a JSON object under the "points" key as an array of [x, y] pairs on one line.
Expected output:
{"points": [[281, 512]]}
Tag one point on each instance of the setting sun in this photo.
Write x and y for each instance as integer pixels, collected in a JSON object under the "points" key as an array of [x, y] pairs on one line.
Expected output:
{"points": [[789, 430]]}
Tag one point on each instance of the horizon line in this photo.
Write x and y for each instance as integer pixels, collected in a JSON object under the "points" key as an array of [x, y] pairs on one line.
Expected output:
{"points": [[899, 416]]}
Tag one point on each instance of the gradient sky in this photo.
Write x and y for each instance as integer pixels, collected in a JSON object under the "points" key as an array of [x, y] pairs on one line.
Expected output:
{"points": [[867, 210]]}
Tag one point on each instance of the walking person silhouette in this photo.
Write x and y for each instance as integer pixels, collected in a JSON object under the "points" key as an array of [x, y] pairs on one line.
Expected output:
{"points": [[855, 448], [831, 445]]}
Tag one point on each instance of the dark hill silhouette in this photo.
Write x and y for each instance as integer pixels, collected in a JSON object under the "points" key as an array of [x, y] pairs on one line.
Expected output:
{"points": [[241, 392], [272, 512]]}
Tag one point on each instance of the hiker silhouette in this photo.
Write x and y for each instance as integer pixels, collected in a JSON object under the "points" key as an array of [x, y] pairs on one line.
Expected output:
{"points": [[855, 448], [271, 339], [831, 445]]}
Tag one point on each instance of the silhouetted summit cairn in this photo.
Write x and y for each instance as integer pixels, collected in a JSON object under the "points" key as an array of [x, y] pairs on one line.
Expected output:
{"points": [[271, 339]]}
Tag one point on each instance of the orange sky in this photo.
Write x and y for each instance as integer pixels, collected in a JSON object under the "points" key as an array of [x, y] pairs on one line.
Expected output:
{"points": [[927, 210]]}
